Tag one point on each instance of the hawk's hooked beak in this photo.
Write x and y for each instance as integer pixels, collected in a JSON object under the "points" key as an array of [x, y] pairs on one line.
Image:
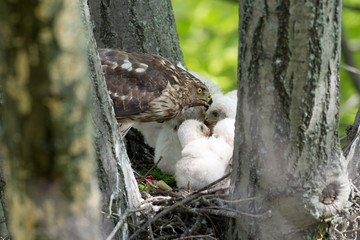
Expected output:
{"points": [[207, 102]]}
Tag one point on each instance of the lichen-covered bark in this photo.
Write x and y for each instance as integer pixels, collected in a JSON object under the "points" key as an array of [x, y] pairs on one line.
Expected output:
{"points": [[137, 25], [287, 149], [117, 182], [49, 161]]}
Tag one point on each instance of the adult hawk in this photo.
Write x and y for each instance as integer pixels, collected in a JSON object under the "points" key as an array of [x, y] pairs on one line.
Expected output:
{"points": [[148, 88]]}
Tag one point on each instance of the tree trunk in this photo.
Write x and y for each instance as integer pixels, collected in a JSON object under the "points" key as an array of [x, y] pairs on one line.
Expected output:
{"points": [[136, 25], [287, 153], [117, 183], [49, 159]]}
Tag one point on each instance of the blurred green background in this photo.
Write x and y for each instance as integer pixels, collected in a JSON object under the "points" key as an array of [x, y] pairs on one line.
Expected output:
{"points": [[209, 40]]}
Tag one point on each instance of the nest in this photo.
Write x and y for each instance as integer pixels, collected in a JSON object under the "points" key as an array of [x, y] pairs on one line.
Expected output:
{"points": [[178, 214]]}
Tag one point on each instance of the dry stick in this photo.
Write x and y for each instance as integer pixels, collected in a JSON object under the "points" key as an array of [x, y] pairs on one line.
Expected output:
{"points": [[226, 212], [197, 236], [121, 221], [234, 201], [189, 198], [152, 168], [212, 224], [150, 228]]}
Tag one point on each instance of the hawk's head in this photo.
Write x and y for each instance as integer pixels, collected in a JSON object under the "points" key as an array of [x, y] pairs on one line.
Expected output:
{"points": [[199, 94]]}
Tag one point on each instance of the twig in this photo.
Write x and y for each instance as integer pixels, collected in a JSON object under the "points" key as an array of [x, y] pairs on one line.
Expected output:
{"points": [[351, 7], [121, 221], [212, 224], [152, 168], [194, 228], [351, 231], [350, 68], [227, 212], [156, 199], [355, 188], [7, 237], [350, 62], [213, 183], [196, 236], [235, 200], [150, 229]]}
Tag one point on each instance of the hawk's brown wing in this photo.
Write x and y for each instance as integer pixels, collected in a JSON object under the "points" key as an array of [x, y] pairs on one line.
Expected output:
{"points": [[134, 80]]}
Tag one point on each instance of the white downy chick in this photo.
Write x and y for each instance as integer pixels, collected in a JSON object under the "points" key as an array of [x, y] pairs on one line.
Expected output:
{"points": [[222, 107], [232, 94], [168, 147], [225, 129], [204, 159], [150, 131]]}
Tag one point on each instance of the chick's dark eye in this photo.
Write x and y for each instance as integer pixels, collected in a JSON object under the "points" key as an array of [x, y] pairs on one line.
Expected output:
{"points": [[199, 90], [215, 113], [202, 128]]}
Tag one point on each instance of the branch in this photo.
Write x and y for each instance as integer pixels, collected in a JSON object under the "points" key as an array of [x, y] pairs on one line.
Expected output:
{"points": [[351, 7], [228, 212], [350, 62]]}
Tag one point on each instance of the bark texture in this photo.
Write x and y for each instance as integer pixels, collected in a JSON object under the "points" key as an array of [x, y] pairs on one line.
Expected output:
{"points": [[287, 153], [49, 161], [137, 25], [117, 182]]}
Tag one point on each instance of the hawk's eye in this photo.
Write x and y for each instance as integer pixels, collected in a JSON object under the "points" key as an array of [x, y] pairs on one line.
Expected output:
{"points": [[201, 128], [199, 91]]}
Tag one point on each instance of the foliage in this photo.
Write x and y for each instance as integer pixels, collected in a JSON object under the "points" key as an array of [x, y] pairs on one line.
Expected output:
{"points": [[209, 40], [349, 98], [157, 174], [208, 31]]}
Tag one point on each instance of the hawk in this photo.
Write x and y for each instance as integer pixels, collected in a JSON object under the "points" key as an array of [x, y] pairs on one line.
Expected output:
{"points": [[149, 88]]}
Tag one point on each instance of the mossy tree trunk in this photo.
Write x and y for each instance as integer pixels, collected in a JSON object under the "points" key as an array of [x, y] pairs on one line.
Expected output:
{"points": [[287, 154], [46, 140]]}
